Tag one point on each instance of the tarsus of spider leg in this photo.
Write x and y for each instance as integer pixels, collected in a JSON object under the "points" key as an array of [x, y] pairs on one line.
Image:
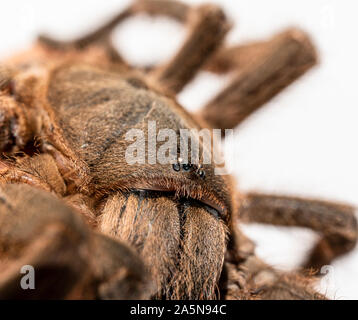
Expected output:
{"points": [[265, 70]]}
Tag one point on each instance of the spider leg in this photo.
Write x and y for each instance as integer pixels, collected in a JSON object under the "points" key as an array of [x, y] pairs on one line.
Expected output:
{"points": [[228, 59], [103, 47], [208, 27], [207, 24], [15, 124], [255, 280], [98, 38], [29, 240], [74, 172], [68, 259], [264, 70], [173, 9], [39, 171], [246, 277], [336, 223], [21, 125]]}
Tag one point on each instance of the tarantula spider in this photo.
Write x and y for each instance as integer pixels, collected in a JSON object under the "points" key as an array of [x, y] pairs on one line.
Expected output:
{"points": [[93, 226]]}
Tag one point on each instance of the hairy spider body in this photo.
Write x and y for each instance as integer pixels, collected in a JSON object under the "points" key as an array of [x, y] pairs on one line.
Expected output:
{"points": [[104, 105], [150, 230]]}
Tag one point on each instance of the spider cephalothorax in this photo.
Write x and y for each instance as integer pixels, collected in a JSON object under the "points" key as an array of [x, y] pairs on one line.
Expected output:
{"points": [[154, 228]]}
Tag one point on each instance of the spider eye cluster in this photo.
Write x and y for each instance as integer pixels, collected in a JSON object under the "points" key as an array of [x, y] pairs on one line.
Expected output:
{"points": [[188, 167]]}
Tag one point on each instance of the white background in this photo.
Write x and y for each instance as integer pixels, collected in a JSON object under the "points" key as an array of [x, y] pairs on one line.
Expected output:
{"points": [[304, 142]]}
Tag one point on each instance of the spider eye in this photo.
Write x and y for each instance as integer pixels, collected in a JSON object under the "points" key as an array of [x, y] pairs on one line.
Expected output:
{"points": [[201, 174], [187, 166]]}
